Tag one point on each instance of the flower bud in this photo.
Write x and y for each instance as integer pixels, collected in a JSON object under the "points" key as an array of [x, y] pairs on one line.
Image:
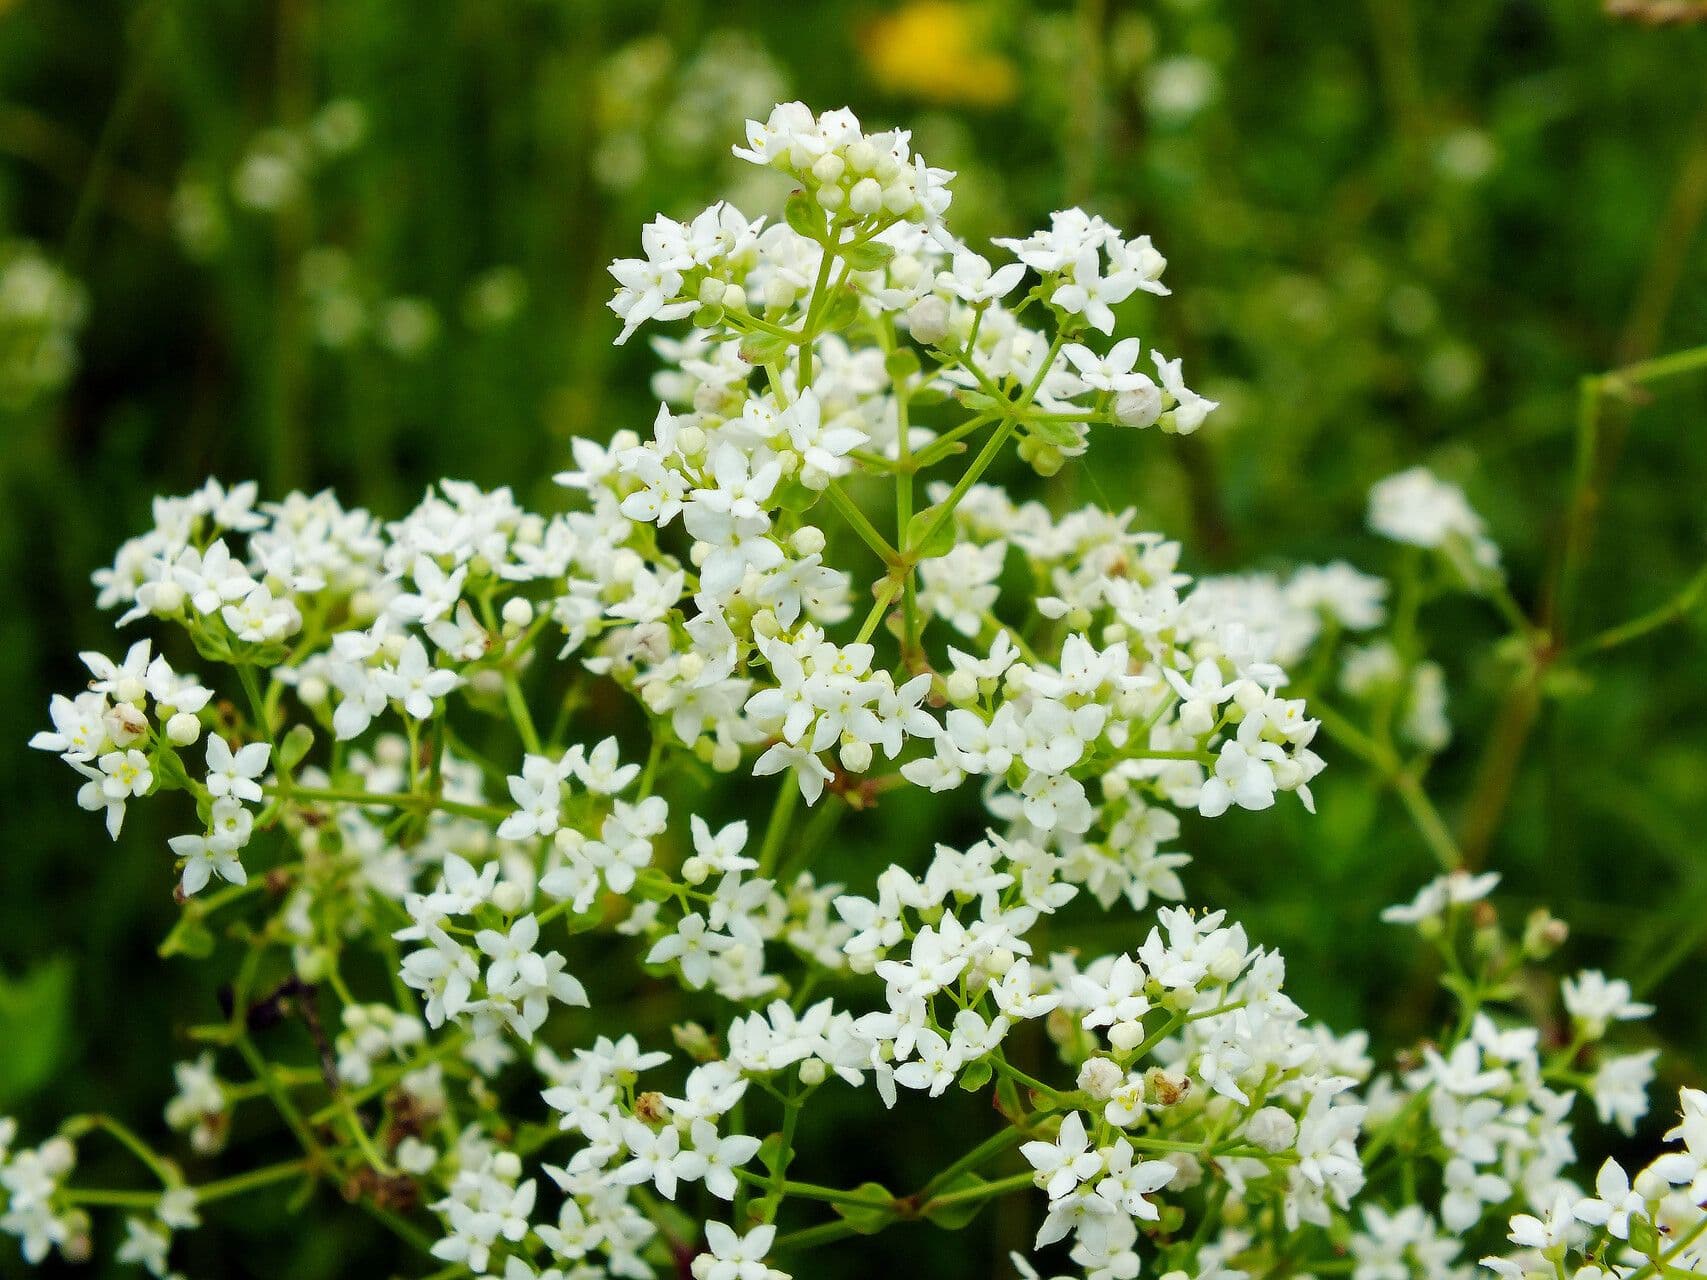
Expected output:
{"points": [[1126, 1036], [1272, 1129], [1543, 934], [927, 320], [856, 755], [695, 1041], [962, 686], [829, 168], [725, 757], [696, 870], [165, 597], [813, 1071], [1140, 407], [183, 729], [808, 540], [691, 441], [690, 666], [1100, 1077], [518, 613], [508, 897], [866, 197]]}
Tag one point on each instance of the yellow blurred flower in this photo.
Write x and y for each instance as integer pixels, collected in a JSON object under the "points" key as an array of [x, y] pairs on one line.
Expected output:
{"points": [[939, 51]]}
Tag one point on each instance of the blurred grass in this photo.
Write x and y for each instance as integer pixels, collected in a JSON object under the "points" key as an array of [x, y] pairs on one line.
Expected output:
{"points": [[1398, 232]]}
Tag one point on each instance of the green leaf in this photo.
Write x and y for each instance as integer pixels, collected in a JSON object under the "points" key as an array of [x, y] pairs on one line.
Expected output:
{"points": [[295, 746], [868, 256], [842, 311], [765, 348], [35, 1016], [976, 1076], [941, 542], [793, 496], [189, 937], [805, 215], [874, 1214], [956, 1214], [901, 365], [1063, 435]]}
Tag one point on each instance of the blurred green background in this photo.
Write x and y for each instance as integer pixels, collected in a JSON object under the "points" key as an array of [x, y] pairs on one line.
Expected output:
{"points": [[363, 244]]}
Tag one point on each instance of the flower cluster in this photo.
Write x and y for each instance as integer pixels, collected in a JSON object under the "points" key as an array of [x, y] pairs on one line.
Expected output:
{"points": [[425, 799]]}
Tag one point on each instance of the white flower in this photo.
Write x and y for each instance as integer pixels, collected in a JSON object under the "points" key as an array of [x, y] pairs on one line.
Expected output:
{"points": [[1063, 1164], [722, 1157], [656, 1156], [972, 280], [415, 682], [735, 1257], [234, 775], [1594, 1000], [1112, 372], [1613, 1202], [693, 947]]}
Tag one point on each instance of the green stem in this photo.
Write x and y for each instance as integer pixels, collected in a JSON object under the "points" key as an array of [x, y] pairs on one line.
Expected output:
{"points": [[885, 596], [861, 524], [781, 812], [393, 800], [984, 1191], [518, 706], [281, 1100], [1676, 609]]}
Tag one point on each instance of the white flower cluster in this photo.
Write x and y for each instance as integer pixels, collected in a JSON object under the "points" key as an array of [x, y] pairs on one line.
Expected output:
{"points": [[486, 855]]}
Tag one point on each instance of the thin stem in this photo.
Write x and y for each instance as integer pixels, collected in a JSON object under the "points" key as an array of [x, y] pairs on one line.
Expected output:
{"points": [[1429, 823], [281, 1100], [861, 524], [984, 1191], [885, 596], [1678, 608], [392, 800], [518, 707], [781, 813]]}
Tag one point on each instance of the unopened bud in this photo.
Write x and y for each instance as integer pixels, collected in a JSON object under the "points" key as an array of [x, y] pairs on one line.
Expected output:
{"points": [[962, 686], [1272, 1129], [183, 729], [695, 1041], [1543, 934], [856, 755], [518, 613], [1140, 407], [1100, 1077], [927, 320]]}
